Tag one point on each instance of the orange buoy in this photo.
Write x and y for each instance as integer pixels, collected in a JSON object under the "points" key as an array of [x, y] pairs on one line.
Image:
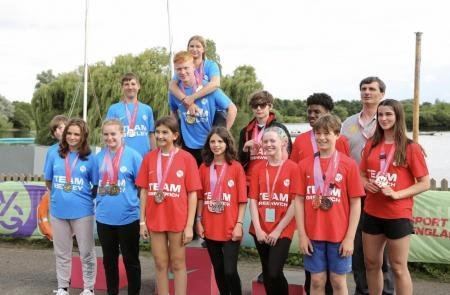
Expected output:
{"points": [[44, 225]]}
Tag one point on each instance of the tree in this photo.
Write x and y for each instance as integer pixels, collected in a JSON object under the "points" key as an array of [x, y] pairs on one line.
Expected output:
{"points": [[22, 118], [45, 77], [6, 112]]}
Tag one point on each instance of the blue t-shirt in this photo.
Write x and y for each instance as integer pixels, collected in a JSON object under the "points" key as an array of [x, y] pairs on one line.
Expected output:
{"points": [[123, 208], [51, 149], [210, 69], [78, 202], [194, 135], [143, 126]]}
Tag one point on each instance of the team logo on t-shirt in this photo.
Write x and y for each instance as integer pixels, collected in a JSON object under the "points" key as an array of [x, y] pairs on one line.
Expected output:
{"points": [[144, 117], [82, 168], [123, 169], [286, 182], [338, 177], [180, 173], [230, 183], [204, 101]]}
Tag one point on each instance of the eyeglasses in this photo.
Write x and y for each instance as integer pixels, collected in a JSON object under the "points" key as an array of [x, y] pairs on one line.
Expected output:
{"points": [[261, 105]]}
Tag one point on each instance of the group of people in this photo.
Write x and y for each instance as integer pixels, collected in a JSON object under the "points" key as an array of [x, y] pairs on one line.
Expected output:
{"points": [[346, 188]]}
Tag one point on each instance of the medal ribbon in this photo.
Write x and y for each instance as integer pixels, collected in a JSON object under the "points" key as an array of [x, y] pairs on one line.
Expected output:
{"points": [[131, 117], [183, 89], [323, 185], [385, 162], [270, 191], [215, 184], [110, 167], [69, 167], [314, 144], [161, 178], [199, 74]]}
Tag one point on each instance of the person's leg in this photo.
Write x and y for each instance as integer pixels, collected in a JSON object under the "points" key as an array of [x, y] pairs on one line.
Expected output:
{"points": [[277, 258], [338, 267], [231, 253], [129, 246], [373, 257], [160, 252], [108, 236], [62, 247], [318, 280], [177, 253], [263, 251], [217, 260], [316, 265], [398, 250], [339, 283], [84, 232], [388, 276], [358, 266]]}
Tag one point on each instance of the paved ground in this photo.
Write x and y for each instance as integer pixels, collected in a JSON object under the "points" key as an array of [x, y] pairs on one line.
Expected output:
{"points": [[27, 270]]}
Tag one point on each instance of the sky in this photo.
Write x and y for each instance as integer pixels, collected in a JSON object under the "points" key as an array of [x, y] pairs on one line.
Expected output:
{"points": [[297, 47]]}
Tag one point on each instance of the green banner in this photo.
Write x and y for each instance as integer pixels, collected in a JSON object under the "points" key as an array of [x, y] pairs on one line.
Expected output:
{"points": [[431, 242]]}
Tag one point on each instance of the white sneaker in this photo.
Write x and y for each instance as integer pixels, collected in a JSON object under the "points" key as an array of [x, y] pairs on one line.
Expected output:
{"points": [[87, 292], [60, 292]]}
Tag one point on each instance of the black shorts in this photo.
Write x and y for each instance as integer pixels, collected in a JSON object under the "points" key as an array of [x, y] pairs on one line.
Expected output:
{"points": [[392, 228]]}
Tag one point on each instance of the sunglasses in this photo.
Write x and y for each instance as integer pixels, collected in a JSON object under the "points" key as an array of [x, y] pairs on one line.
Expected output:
{"points": [[261, 105]]}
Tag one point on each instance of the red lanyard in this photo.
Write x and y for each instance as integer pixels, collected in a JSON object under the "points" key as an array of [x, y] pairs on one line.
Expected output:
{"points": [[270, 190], [215, 184], [161, 178], [131, 117], [199, 73], [110, 167], [386, 161], [69, 167], [321, 184]]}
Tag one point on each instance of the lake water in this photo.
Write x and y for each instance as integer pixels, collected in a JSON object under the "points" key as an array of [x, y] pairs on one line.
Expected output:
{"points": [[437, 147]]}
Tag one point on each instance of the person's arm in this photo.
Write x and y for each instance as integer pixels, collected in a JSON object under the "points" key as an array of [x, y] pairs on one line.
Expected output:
{"points": [[275, 234], [305, 245], [346, 247], [368, 185], [261, 236], [238, 230], [231, 115], [208, 88], [192, 206], [198, 220], [48, 184], [422, 184], [142, 224], [175, 90]]}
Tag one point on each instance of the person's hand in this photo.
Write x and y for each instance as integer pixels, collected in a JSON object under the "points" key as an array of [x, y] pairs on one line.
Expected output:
{"points": [[193, 110], [272, 238], [188, 101], [305, 245], [261, 236], [250, 144], [346, 247], [199, 229], [388, 191], [188, 234], [371, 187], [238, 232], [143, 232]]}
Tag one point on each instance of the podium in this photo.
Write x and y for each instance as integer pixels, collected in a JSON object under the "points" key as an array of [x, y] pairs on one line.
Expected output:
{"points": [[76, 278], [200, 273], [294, 281]]}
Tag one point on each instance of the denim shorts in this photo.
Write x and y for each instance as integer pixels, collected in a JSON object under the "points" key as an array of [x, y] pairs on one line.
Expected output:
{"points": [[325, 257]]}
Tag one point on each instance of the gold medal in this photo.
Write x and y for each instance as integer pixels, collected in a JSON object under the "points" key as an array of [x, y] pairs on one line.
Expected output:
{"points": [[190, 119], [159, 197], [114, 190], [67, 187], [316, 202]]}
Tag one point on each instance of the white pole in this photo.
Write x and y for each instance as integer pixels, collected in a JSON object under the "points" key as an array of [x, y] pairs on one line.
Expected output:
{"points": [[170, 41], [85, 65]]}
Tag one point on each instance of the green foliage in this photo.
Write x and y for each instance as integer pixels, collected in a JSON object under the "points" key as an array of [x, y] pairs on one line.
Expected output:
{"points": [[6, 113], [45, 77], [22, 118]]}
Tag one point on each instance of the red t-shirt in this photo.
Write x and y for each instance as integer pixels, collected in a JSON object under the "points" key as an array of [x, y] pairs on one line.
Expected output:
{"points": [[302, 147], [331, 225], [219, 226], [399, 177], [170, 215], [285, 190]]}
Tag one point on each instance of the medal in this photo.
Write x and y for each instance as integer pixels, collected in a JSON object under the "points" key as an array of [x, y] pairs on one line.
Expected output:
{"points": [[101, 190], [114, 190], [190, 119], [159, 197], [131, 132], [381, 181], [325, 203], [67, 187], [316, 202], [215, 207]]}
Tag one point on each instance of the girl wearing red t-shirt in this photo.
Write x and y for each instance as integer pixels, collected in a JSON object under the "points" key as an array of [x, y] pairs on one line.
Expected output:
{"points": [[273, 187], [169, 181], [221, 208], [393, 170]]}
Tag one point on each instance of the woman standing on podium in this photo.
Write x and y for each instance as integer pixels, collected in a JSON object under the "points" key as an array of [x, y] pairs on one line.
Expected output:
{"points": [[221, 208], [117, 211], [273, 187], [69, 176]]}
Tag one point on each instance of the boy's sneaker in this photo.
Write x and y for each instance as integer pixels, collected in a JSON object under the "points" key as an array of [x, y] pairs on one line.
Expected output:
{"points": [[60, 292], [87, 292]]}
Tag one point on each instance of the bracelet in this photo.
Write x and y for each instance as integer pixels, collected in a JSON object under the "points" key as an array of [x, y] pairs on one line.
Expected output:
{"points": [[240, 222], [142, 223], [198, 218]]}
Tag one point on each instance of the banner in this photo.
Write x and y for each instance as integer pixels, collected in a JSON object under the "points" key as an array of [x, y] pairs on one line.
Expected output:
{"points": [[430, 243]]}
